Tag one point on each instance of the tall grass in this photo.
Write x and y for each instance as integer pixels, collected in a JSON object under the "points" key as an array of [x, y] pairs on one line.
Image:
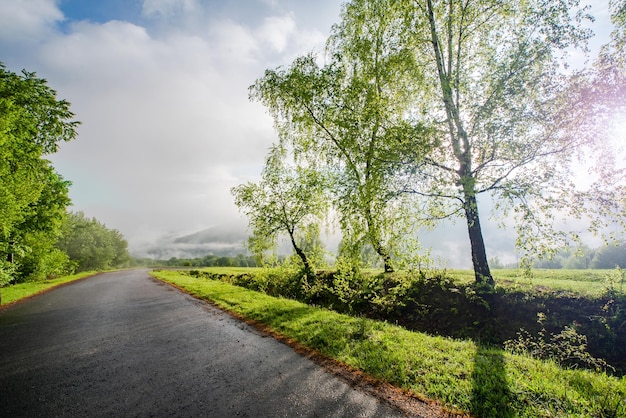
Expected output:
{"points": [[462, 375]]}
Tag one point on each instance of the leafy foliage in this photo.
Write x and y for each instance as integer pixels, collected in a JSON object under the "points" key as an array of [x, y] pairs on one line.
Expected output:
{"points": [[568, 348], [493, 82], [90, 245], [346, 118], [286, 201], [610, 256], [42, 240], [33, 198], [420, 107]]}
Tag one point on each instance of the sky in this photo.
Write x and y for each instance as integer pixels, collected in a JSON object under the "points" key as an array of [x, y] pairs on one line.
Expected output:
{"points": [[161, 89]]}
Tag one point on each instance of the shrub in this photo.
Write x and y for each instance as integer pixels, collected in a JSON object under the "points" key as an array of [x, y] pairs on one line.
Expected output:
{"points": [[567, 348]]}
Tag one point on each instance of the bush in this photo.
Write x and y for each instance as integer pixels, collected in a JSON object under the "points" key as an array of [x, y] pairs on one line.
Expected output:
{"points": [[568, 348], [7, 273]]}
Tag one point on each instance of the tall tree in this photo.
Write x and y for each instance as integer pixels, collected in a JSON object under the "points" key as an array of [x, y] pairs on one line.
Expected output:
{"points": [[348, 116], [33, 197], [286, 201], [491, 79]]}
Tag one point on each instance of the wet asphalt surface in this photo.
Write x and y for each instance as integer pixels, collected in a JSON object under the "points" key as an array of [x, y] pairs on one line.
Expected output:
{"points": [[122, 344]]}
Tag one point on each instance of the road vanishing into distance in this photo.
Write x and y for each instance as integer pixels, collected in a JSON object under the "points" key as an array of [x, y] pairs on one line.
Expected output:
{"points": [[124, 344]]}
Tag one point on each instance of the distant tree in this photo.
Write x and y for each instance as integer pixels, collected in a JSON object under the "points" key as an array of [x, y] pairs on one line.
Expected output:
{"points": [[244, 261], [580, 259], [37, 234], [495, 263], [225, 262], [33, 197], [610, 256], [286, 200], [554, 262], [121, 257], [91, 245], [209, 260]]}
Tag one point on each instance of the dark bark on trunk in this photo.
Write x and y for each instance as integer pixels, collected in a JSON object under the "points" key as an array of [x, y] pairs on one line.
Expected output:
{"points": [[461, 148], [374, 235], [479, 254], [380, 249], [388, 264], [305, 260]]}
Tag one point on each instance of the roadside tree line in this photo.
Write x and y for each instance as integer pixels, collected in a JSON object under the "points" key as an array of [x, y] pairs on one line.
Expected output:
{"points": [[209, 260], [39, 238], [417, 108]]}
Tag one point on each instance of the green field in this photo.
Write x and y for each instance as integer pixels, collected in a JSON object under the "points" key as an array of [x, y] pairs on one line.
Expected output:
{"points": [[587, 283]]}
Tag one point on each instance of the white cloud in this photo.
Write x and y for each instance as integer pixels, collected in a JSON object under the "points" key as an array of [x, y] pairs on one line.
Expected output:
{"points": [[271, 3], [168, 8], [27, 20], [234, 43], [167, 127], [100, 53], [276, 31]]}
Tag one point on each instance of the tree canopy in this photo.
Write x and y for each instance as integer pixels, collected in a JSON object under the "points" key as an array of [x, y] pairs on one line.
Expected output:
{"points": [[288, 200], [445, 101], [493, 84], [90, 245], [33, 197], [346, 118], [38, 238], [32, 123]]}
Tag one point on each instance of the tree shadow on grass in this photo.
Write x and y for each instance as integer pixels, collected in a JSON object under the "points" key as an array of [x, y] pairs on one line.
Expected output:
{"points": [[491, 396]]}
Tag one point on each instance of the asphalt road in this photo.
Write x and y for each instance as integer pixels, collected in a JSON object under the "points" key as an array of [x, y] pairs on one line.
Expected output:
{"points": [[122, 344]]}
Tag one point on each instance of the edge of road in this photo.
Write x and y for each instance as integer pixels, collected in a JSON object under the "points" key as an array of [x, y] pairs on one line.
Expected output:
{"points": [[56, 286], [400, 399]]}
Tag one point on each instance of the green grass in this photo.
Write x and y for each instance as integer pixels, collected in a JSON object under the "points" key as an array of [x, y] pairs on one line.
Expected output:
{"points": [[587, 283], [228, 270], [19, 291], [462, 375]]}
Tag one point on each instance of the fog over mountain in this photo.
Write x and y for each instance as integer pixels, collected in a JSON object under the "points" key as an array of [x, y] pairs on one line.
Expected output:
{"points": [[448, 244], [223, 240]]}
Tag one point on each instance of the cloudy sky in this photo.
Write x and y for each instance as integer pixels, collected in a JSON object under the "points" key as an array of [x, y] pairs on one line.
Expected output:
{"points": [[161, 89]]}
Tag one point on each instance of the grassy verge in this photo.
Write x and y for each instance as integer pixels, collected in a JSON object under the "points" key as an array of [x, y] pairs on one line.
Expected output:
{"points": [[19, 291], [462, 375]]}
